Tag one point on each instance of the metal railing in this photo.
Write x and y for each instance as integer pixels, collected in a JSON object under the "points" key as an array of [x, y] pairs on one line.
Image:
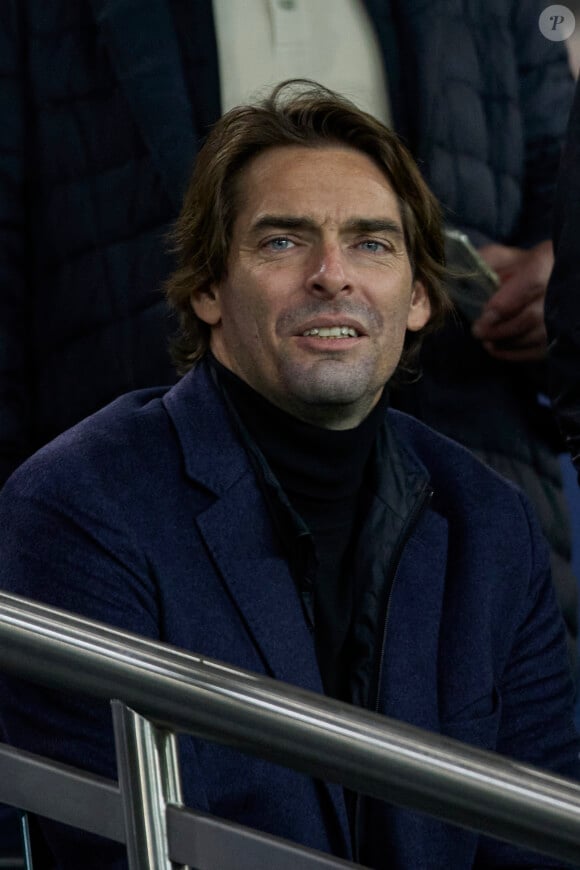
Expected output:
{"points": [[180, 691]]}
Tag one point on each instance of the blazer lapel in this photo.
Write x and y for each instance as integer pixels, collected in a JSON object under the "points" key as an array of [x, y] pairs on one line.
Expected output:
{"points": [[239, 534], [143, 48], [238, 530], [240, 537]]}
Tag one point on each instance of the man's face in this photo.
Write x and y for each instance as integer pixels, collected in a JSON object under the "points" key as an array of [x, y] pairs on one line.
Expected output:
{"points": [[318, 290]]}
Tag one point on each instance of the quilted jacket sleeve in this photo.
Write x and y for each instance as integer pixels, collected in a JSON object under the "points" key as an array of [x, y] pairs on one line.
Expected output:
{"points": [[546, 90], [15, 319]]}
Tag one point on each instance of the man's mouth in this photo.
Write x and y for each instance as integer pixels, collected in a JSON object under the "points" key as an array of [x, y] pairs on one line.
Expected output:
{"points": [[331, 332]]}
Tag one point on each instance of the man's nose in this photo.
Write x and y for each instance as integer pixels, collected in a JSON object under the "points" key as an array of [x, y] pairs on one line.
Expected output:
{"points": [[329, 272]]}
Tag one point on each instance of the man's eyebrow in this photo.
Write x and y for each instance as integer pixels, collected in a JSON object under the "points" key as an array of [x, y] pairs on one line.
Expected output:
{"points": [[300, 222], [283, 222], [375, 225]]}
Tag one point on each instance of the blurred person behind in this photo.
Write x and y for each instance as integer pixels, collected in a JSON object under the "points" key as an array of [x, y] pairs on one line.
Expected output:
{"points": [[563, 297]]}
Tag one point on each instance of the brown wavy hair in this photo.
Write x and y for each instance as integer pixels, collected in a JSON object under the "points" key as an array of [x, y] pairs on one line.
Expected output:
{"points": [[297, 112]]}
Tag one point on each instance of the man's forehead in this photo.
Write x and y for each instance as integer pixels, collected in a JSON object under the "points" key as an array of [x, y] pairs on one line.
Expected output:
{"points": [[304, 182], [303, 157]]}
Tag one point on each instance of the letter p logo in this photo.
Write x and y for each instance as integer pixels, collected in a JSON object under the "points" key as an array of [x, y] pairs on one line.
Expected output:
{"points": [[557, 23]]}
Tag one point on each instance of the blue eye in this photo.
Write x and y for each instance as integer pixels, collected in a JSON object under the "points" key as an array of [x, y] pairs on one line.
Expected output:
{"points": [[373, 246], [280, 243]]}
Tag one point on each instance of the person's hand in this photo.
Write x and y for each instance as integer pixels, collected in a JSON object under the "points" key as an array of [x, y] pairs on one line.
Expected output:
{"points": [[511, 326]]}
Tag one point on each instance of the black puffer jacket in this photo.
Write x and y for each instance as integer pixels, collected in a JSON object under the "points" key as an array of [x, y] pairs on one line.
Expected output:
{"points": [[97, 137], [484, 106]]}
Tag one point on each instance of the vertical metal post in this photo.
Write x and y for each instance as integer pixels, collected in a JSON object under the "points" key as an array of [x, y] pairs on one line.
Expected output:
{"points": [[26, 845], [148, 770]]}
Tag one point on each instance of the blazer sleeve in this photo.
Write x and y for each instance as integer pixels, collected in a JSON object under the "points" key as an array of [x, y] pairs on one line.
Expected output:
{"points": [[537, 697], [15, 291], [65, 546]]}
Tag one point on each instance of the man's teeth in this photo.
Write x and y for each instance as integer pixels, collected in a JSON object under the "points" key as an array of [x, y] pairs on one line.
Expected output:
{"points": [[332, 332]]}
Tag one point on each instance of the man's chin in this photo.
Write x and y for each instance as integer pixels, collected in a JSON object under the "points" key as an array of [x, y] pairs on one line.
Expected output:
{"points": [[337, 403], [329, 382], [329, 395]]}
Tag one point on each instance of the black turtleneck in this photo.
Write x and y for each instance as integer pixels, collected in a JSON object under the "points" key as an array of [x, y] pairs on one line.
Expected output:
{"points": [[321, 471]]}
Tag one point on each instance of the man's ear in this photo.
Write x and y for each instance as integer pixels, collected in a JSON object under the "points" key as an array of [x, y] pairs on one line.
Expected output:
{"points": [[419, 307], [205, 301]]}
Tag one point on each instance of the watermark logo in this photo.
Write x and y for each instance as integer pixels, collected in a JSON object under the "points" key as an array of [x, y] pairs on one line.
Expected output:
{"points": [[557, 23]]}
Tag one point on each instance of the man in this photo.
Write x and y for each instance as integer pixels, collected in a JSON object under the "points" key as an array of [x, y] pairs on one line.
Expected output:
{"points": [[562, 300], [103, 108], [269, 510]]}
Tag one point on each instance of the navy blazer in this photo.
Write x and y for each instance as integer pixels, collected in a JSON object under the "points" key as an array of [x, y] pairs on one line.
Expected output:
{"points": [[148, 516]]}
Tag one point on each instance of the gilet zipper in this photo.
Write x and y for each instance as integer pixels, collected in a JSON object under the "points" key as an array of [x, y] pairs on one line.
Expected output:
{"points": [[424, 497]]}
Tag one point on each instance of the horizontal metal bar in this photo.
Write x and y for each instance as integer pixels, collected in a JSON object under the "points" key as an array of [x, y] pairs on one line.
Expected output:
{"points": [[92, 803], [333, 741], [60, 792], [233, 847]]}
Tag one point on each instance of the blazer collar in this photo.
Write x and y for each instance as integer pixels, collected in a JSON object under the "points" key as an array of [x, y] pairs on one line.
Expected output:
{"points": [[238, 530], [204, 429], [144, 52]]}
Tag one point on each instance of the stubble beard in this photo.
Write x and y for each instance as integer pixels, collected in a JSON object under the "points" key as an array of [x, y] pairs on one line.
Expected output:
{"points": [[329, 392]]}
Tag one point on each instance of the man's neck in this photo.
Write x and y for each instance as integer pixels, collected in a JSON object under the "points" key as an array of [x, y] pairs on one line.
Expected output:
{"points": [[309, 460]]}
